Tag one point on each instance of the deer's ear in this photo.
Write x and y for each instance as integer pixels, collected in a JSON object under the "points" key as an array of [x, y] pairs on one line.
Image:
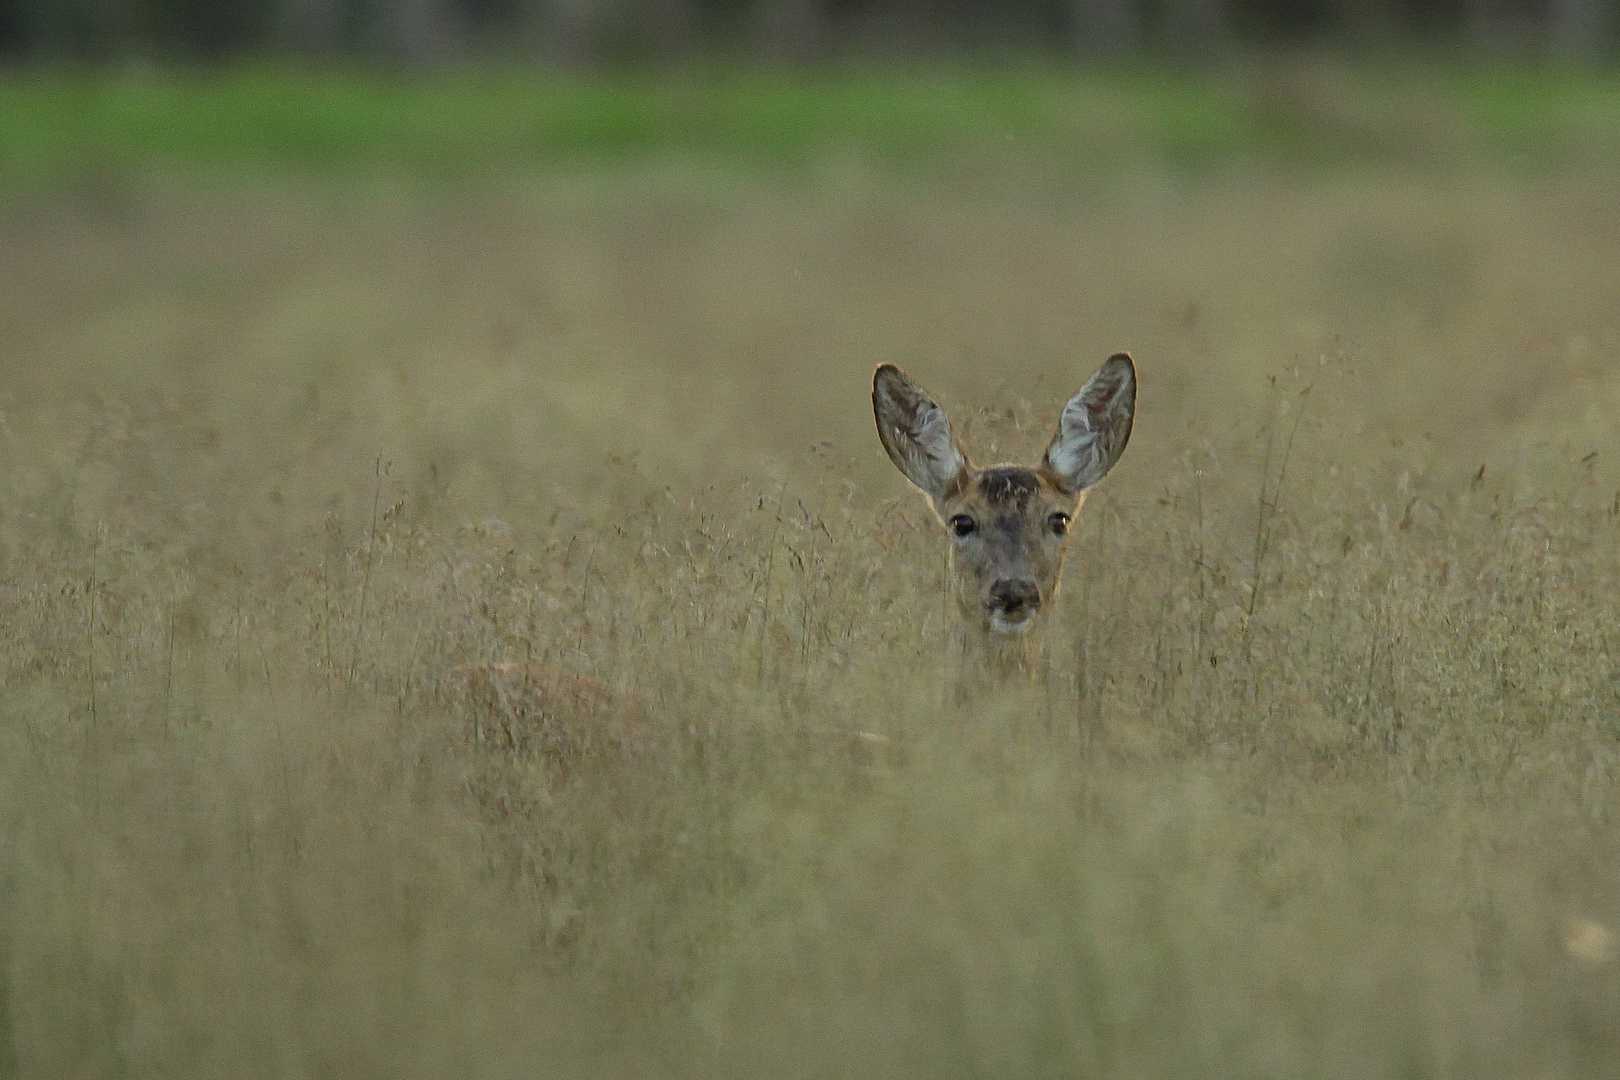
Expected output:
{"points": [[916, 433], [1095, 426]]}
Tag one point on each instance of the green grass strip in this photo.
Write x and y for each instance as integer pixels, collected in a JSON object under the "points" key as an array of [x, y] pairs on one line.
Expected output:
{"points": [[476, 121]]}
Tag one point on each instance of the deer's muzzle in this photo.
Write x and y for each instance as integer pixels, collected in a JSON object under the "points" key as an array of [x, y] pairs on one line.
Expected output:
{"points": [[1013, 603]]}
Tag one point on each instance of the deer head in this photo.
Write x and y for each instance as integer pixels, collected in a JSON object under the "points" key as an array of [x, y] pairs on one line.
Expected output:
{"points": [[1008, 524]]}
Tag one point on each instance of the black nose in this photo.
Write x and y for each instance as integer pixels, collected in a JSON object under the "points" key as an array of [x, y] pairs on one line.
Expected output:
{"points": [[1013, 595]]}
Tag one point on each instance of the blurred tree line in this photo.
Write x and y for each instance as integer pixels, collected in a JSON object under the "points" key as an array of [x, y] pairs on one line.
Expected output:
{"points": [[586, 32]]}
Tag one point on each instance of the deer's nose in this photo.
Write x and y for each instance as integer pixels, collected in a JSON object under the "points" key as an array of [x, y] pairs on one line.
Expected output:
{"points": [[1013, 595]]}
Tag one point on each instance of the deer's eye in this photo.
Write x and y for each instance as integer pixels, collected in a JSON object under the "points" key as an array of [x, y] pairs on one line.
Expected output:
{"points": [[962, 525], [1059, 524]]}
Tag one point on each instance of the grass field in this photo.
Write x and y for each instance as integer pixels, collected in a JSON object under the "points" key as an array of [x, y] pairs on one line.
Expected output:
{"points": [[445, 614]]}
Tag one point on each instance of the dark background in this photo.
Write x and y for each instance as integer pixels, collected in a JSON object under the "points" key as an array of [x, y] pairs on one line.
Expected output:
{"points": [[596, 32]]}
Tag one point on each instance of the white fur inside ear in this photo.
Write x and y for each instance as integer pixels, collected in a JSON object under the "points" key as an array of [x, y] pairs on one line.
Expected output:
{"points": [[934, 451], [1095, 425]]}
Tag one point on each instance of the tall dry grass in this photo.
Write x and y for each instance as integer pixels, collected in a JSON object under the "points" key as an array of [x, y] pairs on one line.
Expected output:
{"points": [[477, 634]]}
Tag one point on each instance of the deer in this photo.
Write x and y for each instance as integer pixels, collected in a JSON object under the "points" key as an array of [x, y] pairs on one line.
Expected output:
{"points": [[1008, 524]]}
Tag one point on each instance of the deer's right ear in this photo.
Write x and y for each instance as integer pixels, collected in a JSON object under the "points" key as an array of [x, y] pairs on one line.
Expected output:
{"points": [[916, 433]]}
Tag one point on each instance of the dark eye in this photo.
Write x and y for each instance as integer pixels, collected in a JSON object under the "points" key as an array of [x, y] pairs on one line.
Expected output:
{"points": [[1059, 524], [962, 525]]}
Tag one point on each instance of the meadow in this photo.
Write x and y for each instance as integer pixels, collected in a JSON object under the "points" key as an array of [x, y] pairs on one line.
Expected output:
{"points": [[458, 619]]}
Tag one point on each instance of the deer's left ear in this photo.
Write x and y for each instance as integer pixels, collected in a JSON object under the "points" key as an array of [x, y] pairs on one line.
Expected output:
{"points": [[1095, 426]]}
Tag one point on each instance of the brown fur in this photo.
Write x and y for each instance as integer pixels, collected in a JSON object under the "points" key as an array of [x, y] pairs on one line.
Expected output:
{"points": [[1009, 523], [1012, 505]]}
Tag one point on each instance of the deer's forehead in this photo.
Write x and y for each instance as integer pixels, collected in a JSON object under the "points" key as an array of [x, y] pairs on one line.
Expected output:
{"points": [[1011, 491]]}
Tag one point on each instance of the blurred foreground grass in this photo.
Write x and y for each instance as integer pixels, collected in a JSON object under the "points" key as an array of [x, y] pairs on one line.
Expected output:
{"points": [[472, 629], [468, 123]]}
